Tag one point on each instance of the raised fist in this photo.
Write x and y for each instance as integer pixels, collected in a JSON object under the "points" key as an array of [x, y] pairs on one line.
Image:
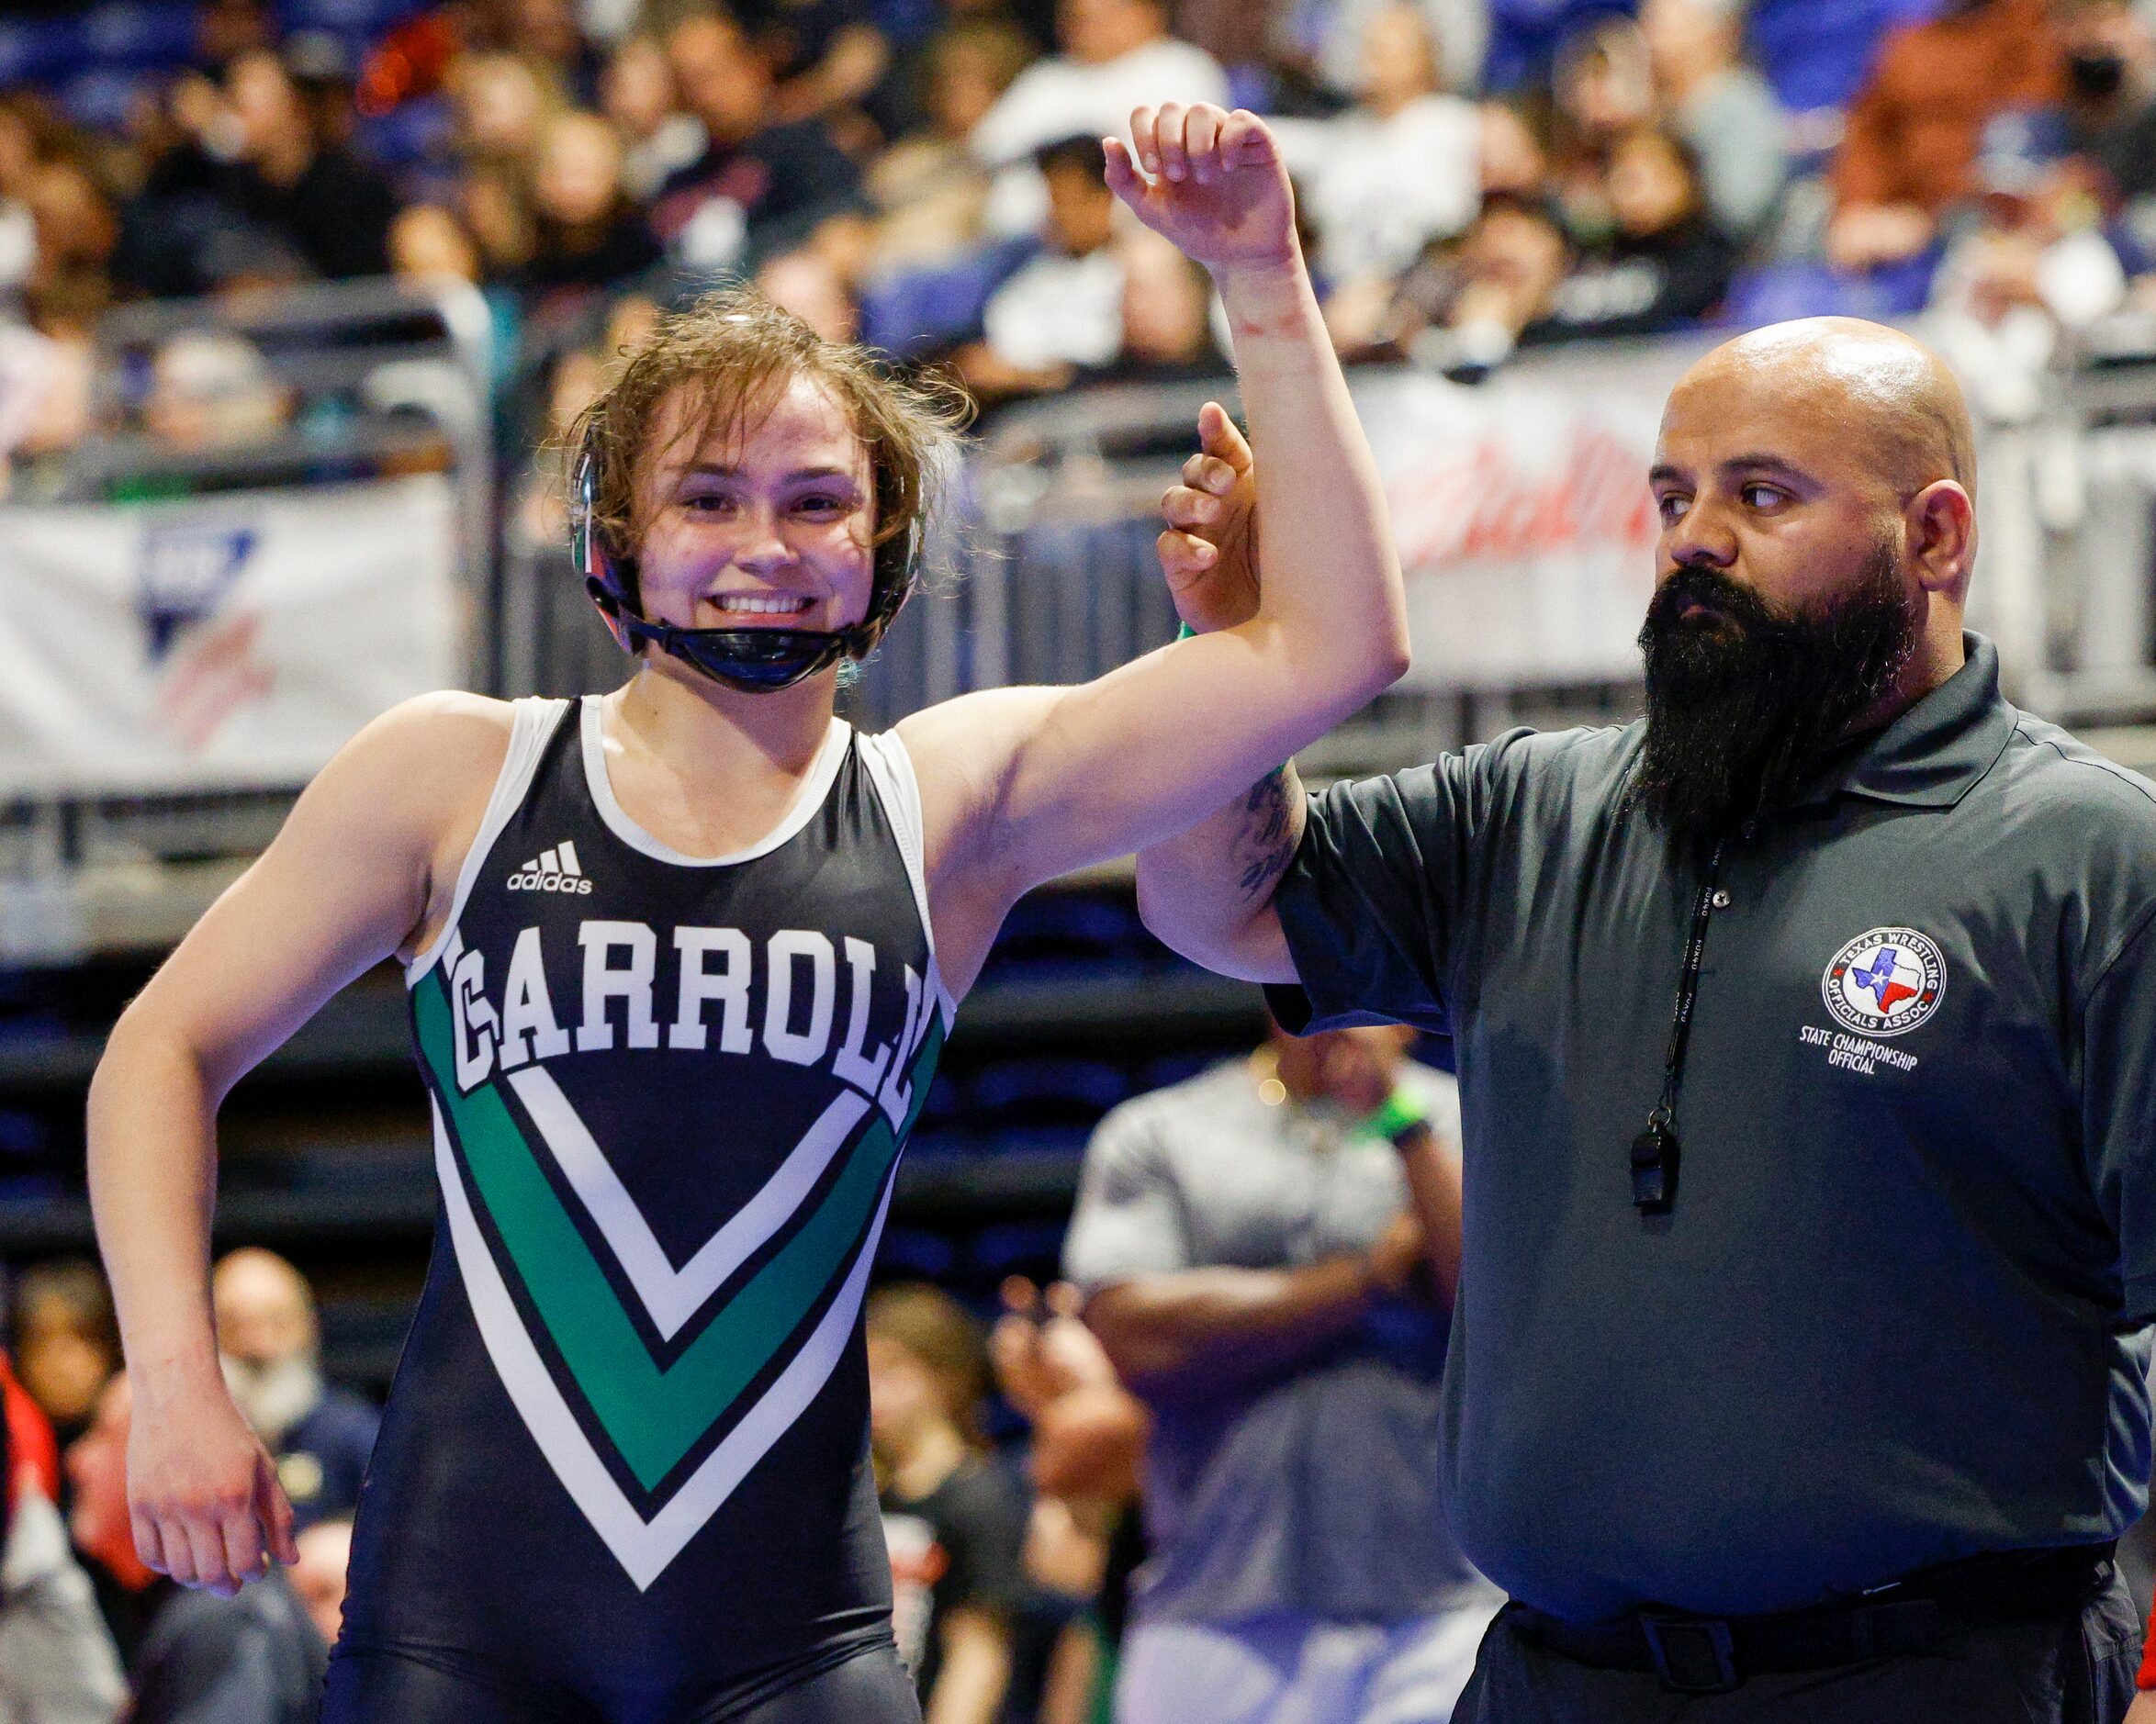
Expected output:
{"points": [[1213, 183]]}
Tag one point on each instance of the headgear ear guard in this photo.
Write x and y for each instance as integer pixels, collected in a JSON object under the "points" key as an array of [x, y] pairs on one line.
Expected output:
{"points": [[754, 660]]}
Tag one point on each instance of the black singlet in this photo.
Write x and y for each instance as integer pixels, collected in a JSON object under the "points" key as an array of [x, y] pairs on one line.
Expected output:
{"points": [[623, 1471]]}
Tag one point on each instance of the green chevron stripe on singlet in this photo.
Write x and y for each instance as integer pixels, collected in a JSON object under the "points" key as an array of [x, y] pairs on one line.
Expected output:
{"points": [[654, 1415]]}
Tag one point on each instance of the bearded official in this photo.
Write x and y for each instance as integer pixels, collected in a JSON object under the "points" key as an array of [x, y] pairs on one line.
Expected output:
{"points": [[1806, 1034]]}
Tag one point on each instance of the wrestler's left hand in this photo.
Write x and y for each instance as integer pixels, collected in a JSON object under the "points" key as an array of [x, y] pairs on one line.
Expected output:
{"points": [[203, 1496], [1213, 182]]}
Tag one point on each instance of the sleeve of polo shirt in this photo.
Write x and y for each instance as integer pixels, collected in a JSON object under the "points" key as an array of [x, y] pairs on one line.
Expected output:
{"points": [[1128, 1217], [1371, 903], [2119, 1111]]}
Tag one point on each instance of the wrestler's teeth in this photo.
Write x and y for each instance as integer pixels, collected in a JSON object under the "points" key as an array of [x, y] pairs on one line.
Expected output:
{"points": [[759, 605]]}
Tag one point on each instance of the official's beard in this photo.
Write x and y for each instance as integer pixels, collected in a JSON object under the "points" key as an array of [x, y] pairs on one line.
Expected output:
{"points": [[1742, 703]]}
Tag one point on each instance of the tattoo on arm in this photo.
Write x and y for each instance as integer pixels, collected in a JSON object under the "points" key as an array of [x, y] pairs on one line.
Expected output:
{"points": [[1265, 840]]}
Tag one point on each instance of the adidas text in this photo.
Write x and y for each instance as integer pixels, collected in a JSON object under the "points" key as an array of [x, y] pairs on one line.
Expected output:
{"points": [[529, 880], [554, 870]]}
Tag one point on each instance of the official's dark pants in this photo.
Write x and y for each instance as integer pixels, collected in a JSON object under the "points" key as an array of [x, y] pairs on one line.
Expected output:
{"points": [[2077, 1668]]}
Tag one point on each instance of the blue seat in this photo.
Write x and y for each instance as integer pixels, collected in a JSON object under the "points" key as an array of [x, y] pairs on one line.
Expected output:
{"points": [[906, 22], [28, 1028], [45, 47], [1034, 1248], [1044, 1090], [101, 98], [915, 310], [360, 20], [22, 1135], [18, 51], [1526, 35], [909, 1253], [1817, 53], [128, 33], [943, 1107], [1158, 1074], [1049, 927], [411, 134], [1775, 292], [1020, 1139]]}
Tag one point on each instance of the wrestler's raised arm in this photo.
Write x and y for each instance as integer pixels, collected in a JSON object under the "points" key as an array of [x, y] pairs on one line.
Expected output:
{"points": [[1019, 784]]}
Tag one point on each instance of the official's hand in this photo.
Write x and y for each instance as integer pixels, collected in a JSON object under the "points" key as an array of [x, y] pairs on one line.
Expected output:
{"points": [[203, 1496], [1041, 1349], [1213, 182], [1209, 549], [1090, 1444]]}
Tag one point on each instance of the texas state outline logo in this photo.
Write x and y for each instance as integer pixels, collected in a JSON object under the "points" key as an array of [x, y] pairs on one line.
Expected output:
{"points": [[1885, 983]]}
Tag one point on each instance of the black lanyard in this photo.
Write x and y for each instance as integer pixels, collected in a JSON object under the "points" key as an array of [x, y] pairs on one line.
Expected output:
{"points": [[1655, 1150]]}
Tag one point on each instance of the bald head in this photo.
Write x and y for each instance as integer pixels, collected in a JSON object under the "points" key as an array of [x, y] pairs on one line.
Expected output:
{"points": [[1813, 485], [1793, 454], [1891, 395], [265, 1311]]}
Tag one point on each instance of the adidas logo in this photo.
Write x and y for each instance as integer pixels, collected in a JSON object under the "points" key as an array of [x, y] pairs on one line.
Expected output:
{"points": [[555, 870]]}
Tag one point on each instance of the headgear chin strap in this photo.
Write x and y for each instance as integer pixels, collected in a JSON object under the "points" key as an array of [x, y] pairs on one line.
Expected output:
{"points": [[755, 661]]}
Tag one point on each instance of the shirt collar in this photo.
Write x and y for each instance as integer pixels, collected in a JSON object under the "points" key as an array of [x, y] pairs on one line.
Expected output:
{"points": [[1932, 755]]}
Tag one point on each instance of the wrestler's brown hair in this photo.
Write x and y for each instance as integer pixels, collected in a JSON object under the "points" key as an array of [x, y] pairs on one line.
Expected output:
{"points": [[737, 352]]}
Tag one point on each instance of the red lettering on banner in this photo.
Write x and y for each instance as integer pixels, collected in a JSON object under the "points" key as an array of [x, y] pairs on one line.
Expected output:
{"points": [[212, 677], [1474, 504]]}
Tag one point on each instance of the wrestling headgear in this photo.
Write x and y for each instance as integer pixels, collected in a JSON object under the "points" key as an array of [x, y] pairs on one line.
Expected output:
{"points": [[754, 660]]}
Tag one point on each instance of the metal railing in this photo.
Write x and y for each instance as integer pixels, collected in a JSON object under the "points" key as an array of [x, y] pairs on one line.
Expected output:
{"points": [[2066, 581], [380, 374], [375, 378], [1043, 568], [1040, 569]]}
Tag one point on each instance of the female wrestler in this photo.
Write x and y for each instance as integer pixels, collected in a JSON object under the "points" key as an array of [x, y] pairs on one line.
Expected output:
{"points": [[682, 960]]}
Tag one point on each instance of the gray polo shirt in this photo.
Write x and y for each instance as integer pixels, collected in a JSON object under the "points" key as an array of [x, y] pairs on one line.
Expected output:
{"points": [[1319, 1491], [1901, 1311]]}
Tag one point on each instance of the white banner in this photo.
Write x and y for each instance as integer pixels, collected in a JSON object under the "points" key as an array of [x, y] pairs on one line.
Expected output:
{"points": [[225, 641], [1521, 510]]}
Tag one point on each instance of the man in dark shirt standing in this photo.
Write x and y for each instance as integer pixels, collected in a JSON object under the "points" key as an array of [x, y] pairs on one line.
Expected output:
{"points": [[260, 179], [1806, 1037], [760, 184]]}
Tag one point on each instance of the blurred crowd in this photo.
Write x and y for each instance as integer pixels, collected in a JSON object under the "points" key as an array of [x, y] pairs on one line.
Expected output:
{"points": [[987, 1576], [1475, 175], [1088, 1488], [87, 1632]]}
